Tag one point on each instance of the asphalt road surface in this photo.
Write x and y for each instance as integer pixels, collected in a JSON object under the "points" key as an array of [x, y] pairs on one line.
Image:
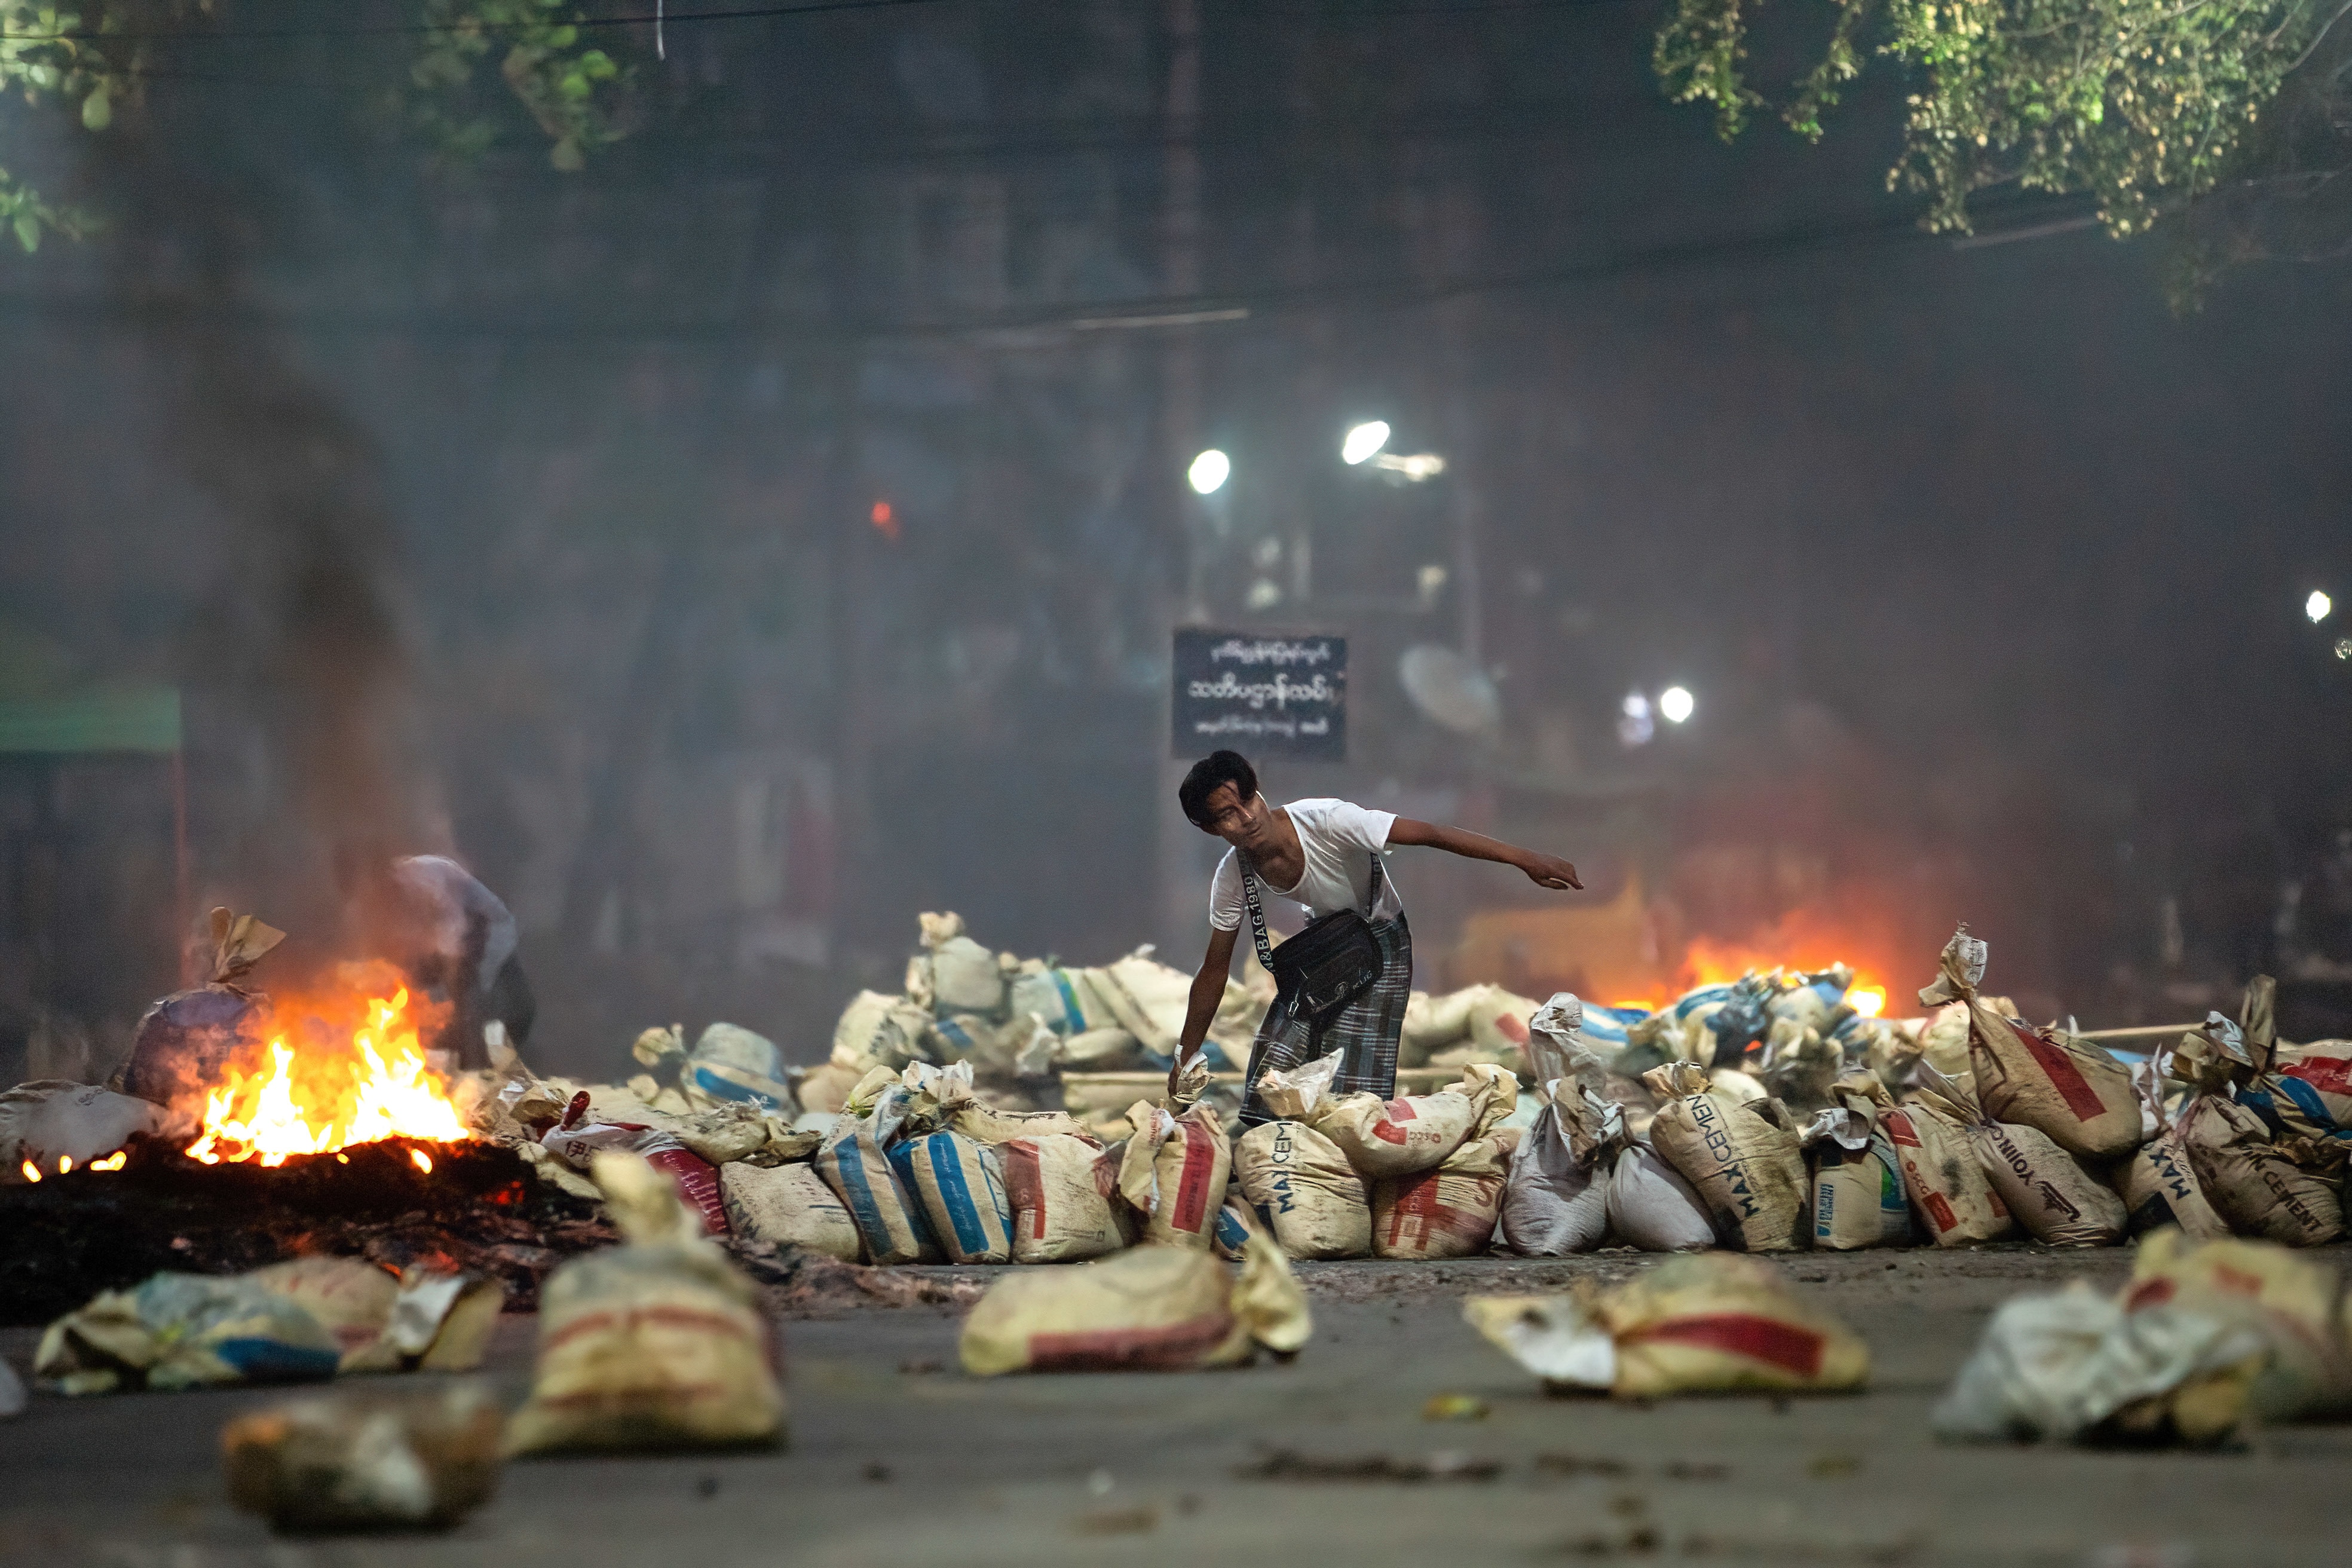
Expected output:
{"points": [[896, 1457]]}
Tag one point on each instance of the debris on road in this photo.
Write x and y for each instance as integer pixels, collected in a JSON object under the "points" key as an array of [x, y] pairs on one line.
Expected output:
{"points": [[353, 1462], [1444, 1465]]}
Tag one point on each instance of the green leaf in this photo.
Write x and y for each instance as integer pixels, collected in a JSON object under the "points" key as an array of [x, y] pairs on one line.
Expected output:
{"points": [[97, 110], [566, 156], [28, 230]]}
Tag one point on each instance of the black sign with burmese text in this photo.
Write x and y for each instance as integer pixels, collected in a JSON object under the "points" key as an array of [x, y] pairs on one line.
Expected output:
{"points": [[1262, 694]]}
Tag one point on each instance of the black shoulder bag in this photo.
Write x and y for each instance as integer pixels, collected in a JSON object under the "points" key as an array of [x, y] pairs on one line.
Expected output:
{"points": [[1330, 963]]}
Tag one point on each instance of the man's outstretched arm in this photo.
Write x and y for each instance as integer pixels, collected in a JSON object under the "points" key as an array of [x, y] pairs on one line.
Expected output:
{"points": [[1543, 871], [1208, 994]]}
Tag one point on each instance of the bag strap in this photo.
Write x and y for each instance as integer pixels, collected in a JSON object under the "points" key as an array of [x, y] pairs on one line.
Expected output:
{"points": [[1257, 912]]}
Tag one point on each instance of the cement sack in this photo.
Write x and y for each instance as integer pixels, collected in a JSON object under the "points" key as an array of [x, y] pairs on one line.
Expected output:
{"points": [[1298, 1092], [1858, 1197], [961, 1110], [824, 1090], [1499, 1023], [1302, 1186], [1148, 1000], [891, 1226], [1398, 1137], [1101, 1051], [2291, 1301], [1155, 1309], [1065, 1000], [1714, 1323], [655, 1343], [1173, 1172], [1062, 1189], [185, 1330], [1651, 1207], [730, 1065], [2159, 1187], [54, 1126], [1742, 1159], [2313, 1086], [953, 973], [989, 1047], [2072, 1366], [789, 1205], [1950, 1190], [878, 1031], [1433, 1023], [1448, 1212], [420, 1320], [1556, 1194], [2059, 1202], [184, 1044], [2253, 1184], [1236, 1223], [1558, 1049], [2068, 1089], [963, 1194]]}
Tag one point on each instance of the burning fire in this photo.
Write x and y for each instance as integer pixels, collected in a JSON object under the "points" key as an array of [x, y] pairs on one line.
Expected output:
{"points": [[314, 1101]]}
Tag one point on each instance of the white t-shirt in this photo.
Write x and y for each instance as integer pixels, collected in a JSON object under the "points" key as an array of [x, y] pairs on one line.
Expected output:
{"points": [[1339, 839]]}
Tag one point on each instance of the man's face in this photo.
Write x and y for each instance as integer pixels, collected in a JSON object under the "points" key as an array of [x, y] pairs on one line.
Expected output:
{"points": [[1245, 824]]}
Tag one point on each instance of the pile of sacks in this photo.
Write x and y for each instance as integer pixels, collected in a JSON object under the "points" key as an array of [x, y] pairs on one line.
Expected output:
{"points": [[1020, 1022], [1970, 1127]]}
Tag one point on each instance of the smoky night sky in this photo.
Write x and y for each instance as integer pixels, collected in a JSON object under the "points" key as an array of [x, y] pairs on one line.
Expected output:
{"points": [[774, 529]]}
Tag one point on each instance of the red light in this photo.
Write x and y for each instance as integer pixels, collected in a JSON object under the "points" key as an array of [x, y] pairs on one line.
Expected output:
{"points": [[886, 521]]}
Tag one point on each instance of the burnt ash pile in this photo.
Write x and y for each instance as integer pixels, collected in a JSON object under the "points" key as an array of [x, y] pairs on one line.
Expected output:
{"points": [[479, 1210]]}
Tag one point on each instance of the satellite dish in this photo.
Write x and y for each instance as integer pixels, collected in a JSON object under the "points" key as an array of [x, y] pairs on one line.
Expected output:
{"points": [[1450, 690]]}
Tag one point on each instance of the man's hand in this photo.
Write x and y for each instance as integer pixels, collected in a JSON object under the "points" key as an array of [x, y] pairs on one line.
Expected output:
{"points": [[1550, 871]]}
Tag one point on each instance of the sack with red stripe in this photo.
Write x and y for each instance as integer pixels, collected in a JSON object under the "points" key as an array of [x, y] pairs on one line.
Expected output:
{"points": [[1397, 1137], [655, 1343], [1949, 1191], [1742, 1156], [1304, 1189], [1062, 1189], [1154, 1309], [1173, 1173], [2292, 1301], [1706, 1322], [1450, 1212], [2069, 1089]]}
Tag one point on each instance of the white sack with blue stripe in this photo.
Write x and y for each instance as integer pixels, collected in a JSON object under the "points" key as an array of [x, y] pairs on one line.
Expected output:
{"points": [[889, 1220], [963, 1194]]}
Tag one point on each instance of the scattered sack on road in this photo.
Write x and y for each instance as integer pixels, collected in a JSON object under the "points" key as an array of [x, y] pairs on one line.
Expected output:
{"points": [[1174, 1172], [2069, 1089], [1711, 1323], [1062, 1186], [2292, 1302], [289, 1322], [1310, 1197], [349, 1462], [1397, 1137], [655, 1343], [789, 1205], [1154, 1309], [53, 1126], [2072, 1366], [963, 1192], [1652, 1206], [1742, 1158]]}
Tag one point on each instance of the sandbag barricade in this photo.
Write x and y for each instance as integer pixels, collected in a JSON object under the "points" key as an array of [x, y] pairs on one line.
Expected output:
{"points": [[889, 1218], [1858, 1196], [1173, 1173], [791, 1205], [1651, 1206], [962, 1195], [1062, 1189], [1303, 1188], [1413, 1132]]}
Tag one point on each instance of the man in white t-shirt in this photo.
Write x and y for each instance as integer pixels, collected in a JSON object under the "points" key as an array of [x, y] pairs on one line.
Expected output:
{"points": [[1325, 856]]}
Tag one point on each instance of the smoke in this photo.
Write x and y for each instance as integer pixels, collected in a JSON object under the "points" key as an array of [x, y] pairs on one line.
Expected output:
{"points": [[309, 756]]}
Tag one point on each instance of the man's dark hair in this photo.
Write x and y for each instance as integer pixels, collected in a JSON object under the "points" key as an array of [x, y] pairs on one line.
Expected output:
{"points": [[1216, 768]]}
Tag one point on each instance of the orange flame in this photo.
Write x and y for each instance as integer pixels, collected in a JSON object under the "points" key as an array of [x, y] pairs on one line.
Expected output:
{"points": [[32, 1172], [315, 1101], [113, 1162]]}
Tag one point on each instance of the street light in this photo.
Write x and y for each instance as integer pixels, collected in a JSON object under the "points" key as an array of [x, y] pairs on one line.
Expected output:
{"points": [[1364, 440], [2317, 606], [1209, 471], [1675, 704]]}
